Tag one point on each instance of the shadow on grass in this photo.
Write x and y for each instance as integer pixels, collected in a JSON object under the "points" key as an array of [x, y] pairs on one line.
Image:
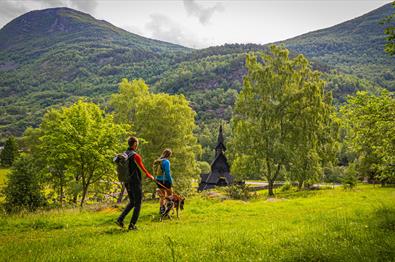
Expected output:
{"points": [[114, 231], [385, 217]]}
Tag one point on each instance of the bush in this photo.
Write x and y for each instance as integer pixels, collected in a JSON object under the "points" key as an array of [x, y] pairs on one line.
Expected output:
{"points": [[286, 187], [238, 191], [350, 179], [23, 190]]}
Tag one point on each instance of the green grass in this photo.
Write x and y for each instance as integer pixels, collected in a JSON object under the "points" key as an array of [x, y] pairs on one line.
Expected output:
{"points": [[326, 225]]}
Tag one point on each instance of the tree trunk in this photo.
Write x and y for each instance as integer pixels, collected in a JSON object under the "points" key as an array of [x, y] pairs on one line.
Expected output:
{"points": [[61, 195], [300, 185], [61, 189], [270, 187], [75, 196], [84, 191], [120, 197]]}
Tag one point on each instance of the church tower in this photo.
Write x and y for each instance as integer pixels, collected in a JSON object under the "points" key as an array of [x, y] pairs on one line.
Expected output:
{"points": [[220, 170]]}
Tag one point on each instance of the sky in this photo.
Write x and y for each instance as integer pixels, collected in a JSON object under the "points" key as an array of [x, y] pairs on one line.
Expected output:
{"points": [[204, 23]]}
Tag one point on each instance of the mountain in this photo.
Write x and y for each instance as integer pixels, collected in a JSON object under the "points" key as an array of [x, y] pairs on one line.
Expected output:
{"points": [[51, 57], [353, 47]]}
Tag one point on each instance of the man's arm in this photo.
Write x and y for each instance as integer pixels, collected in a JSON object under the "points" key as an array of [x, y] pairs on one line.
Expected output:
{"points": [[140, 164]]}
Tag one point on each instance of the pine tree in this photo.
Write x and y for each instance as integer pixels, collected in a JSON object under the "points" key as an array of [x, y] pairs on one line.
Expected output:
{"points": [[9, 152]]}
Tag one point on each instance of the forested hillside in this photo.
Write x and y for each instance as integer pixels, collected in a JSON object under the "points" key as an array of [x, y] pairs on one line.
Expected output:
{"points": [[51, 57]]}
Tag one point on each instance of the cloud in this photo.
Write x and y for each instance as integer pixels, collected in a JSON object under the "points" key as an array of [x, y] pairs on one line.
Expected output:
{"points": [[11, 9], [203, 13], [84, 5], [50, 3], [165, 29], [132, 29]]}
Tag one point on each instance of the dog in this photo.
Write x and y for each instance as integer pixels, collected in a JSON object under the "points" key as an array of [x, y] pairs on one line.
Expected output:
{"points": [[172, 202]]}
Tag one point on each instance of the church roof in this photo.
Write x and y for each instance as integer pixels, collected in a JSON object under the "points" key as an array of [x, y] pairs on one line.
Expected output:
{"points": [[220, 143]]}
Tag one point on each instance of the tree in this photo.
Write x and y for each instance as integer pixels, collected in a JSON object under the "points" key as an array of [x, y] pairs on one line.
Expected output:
{"points": [[279, 117], [170, 124], [315, 142], [390, 32], [77, 144], [9, 152], [369, 121], [162, 121], [23, 189], [124, 102]]}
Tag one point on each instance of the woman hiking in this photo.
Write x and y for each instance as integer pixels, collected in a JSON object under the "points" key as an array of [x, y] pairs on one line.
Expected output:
{"points": [[133, 185], [165, 180]]}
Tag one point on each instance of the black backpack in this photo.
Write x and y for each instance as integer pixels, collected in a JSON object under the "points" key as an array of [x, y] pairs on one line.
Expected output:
{"points": [[123, 165]]}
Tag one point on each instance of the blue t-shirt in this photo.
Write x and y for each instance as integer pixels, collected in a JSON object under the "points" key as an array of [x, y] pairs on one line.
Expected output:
{"points": [[166, 172]]}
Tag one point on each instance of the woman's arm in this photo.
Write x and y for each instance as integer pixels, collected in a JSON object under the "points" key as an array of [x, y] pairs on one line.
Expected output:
{"points": [[166, 167]]}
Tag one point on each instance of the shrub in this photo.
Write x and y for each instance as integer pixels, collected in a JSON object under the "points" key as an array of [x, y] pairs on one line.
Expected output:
{"points": [[23, 190], [238, 191], [349, 180], [286, 187]]}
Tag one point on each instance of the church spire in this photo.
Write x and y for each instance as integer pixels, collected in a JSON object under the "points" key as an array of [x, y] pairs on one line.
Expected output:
{"points": [[220, 148]]}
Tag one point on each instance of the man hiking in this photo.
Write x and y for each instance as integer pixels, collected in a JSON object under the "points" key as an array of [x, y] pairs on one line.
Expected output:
{"points": [[133, 184]]}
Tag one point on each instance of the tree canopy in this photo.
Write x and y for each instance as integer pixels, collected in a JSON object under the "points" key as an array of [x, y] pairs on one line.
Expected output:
{"points": [[279, 118], [369, 121]]}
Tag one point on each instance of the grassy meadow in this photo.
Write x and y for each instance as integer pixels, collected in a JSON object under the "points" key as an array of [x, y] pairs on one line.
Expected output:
{"points": [[323, 225]]}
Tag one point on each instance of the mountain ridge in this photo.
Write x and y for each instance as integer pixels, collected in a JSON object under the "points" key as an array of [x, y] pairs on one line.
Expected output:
{"points": [[40, 70]]}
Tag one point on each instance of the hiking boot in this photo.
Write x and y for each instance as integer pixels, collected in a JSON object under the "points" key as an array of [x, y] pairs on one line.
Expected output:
{"points": [[119, 223], [132, 227]]}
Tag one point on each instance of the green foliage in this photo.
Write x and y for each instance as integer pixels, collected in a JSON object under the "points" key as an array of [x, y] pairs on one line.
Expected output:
{"points": [[333, 174], [9, 152], [204, 167], [68, 54], [239, 191], [74, 147], [23, 189], [369, 120], [3, 176], [286, 187], [124, 102], [354, 47], [281, 119], [163, 121], [350, 179], [390, 32]]}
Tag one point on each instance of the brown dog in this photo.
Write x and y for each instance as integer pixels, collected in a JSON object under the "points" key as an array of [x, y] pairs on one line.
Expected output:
{"points": [[172, 202]]}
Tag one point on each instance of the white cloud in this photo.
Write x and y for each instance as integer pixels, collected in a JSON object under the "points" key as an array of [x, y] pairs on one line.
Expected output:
{"points": [[132, 29], [165, 29], [84, 5], [11, 9], [204, 14]]}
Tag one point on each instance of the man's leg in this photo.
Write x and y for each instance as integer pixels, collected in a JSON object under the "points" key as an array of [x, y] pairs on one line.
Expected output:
{"points": [[129, 206], [137, 194]]}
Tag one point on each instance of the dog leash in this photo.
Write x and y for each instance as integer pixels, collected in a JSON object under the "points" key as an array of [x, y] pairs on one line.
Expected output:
{"points": [[161, 184]]}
